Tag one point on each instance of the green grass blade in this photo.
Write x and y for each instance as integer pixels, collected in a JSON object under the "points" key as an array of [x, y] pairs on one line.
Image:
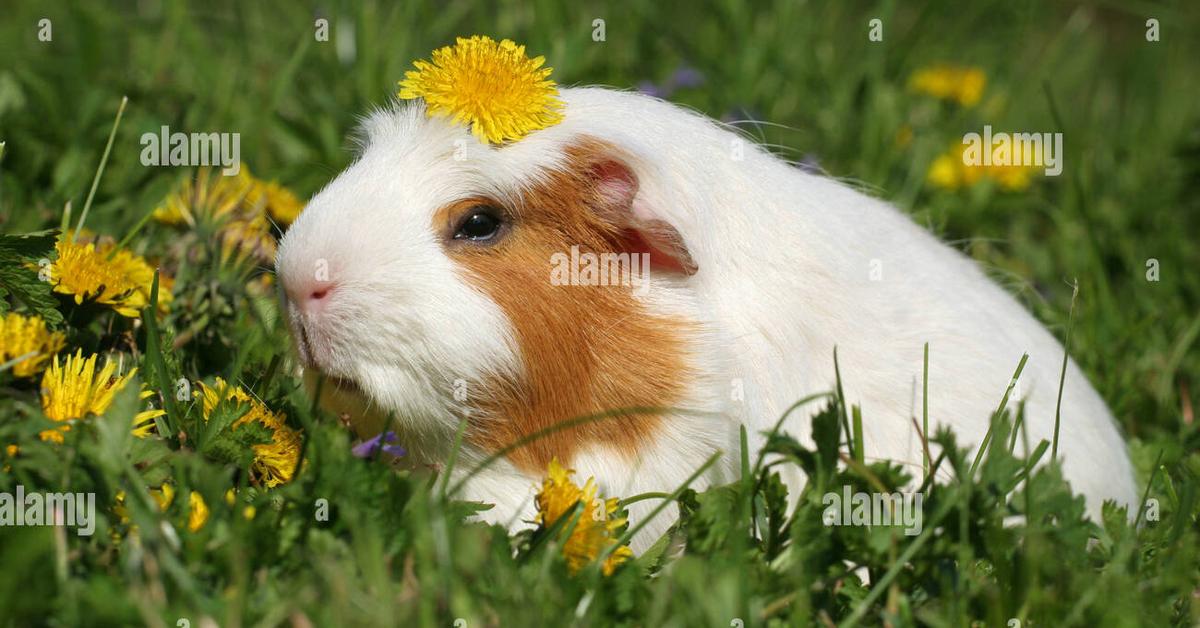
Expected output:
{"points": [[87, 205], [987, 438]]}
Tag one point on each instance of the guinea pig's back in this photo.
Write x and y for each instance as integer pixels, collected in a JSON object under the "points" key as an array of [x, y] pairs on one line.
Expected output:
{"points": [[841, 269]]}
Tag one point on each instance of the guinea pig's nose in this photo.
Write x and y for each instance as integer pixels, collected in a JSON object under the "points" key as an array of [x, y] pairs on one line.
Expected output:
{"points": [[318, 293], [317, 297], [310, 296]]}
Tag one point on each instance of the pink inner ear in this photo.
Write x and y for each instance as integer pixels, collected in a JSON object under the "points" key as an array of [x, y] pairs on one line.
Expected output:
{"points": [[660, 260], [617, 187]]}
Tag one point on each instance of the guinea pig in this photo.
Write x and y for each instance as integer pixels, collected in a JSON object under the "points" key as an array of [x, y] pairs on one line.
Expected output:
{"points": [[425, 285]]}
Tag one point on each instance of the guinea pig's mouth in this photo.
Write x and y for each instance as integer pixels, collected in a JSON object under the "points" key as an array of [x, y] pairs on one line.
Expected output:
{"points": [[304, 349]]}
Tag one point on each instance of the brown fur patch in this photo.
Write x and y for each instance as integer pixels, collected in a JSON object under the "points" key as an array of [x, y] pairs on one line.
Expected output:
{"points": [[585, 349]]}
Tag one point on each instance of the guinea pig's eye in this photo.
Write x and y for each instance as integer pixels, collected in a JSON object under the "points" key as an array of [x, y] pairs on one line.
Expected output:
{"points": [[480, 224]]}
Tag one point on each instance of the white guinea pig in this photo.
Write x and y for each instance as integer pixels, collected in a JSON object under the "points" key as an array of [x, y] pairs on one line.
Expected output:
{"points": [[421, 283]]}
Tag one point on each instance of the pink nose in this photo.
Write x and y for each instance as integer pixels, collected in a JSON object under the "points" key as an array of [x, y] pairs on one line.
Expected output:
{"points": [[311, 296], [319, 294]]}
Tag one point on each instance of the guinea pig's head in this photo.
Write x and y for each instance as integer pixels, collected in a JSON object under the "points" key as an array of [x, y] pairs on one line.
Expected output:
{"points": [[439, 279]]}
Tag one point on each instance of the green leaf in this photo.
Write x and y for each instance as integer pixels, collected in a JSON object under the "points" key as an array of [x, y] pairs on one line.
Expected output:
{"points": [[19, 280], [29, 245], [221, 440], [24, 286]]}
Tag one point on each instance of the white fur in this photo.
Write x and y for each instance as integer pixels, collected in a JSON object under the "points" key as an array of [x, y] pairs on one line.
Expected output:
{"points": [[785, 261]]}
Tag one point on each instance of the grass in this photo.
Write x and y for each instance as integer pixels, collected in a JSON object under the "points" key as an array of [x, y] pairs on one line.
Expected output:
{"points": [[393, 551]]}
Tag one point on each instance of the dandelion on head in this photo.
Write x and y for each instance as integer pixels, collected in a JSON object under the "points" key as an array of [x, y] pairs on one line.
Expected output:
{"points": [[593, 530], [493, 87]]}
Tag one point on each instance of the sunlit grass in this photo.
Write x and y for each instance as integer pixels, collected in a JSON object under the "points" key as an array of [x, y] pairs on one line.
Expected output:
{"points": [[350, 540]]}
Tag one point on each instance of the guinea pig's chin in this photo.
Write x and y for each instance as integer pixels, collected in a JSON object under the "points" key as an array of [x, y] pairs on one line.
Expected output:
{"points": [[344, 399], [369, 410], [343, 386]]}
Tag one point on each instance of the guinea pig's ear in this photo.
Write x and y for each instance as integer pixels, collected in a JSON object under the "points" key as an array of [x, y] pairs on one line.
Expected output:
{"points": [[640, 228]]}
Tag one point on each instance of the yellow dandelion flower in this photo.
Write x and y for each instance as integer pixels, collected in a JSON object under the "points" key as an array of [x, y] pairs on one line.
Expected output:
{"points": [[197, 512], [558, 494], [120, 510], [163, 497], [1013, 179], [239, 208], [492, 86], [211, 196], [231, 498], [280, 203], [247, 239], [946, 171], [595, 529], [261, 285], [951, 171], [143, 422], [97, 273], [274, 462], [142, 274], [207, 197], [963, 85], [73, 390], [28, 336]]}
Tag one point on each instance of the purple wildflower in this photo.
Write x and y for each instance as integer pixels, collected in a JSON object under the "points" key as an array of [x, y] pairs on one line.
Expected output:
{"points": [[687, 77], [368, 448], [683, 78], [650, 89]]}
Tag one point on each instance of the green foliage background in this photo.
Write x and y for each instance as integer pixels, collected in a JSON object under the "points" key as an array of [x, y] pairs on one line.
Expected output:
{"points": [[394, 552]]}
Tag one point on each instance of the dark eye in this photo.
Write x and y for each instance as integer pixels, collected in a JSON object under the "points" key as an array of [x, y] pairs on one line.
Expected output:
{"points": [[480, 224]]}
